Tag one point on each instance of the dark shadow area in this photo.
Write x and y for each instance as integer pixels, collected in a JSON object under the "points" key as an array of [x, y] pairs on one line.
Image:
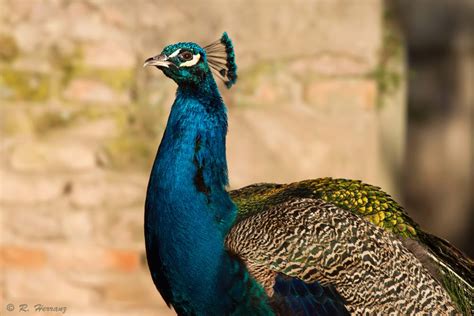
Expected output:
{"points": [[438, 179]]}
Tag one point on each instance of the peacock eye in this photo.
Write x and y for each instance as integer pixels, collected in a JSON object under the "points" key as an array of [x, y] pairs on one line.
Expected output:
{"points": [[186, 55]]}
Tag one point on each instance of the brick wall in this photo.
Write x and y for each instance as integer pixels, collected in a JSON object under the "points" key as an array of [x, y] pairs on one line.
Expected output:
{"points": [[320, 93]]}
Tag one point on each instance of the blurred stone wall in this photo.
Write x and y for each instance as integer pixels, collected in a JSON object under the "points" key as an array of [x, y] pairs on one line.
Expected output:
{"points": [[320, 93]]}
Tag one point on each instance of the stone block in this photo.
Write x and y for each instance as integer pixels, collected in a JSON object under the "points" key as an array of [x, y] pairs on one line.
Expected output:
{"points": [[16, 122], [46, 286], [93, 91], [77, 226], [342, 95], [28, 188], [119, 227], [131, 290], [26, 85], [23, 257], [108, 189], [82, 258], [109, 54], [90, 27], [125, 190], [123, 259], [8, 47], [88, 191], [53, 156], [42, 223], [329, 64], [93, 131], [267, 84]]}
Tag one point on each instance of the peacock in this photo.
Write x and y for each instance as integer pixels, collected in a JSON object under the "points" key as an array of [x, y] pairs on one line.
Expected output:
{"points": [[316, 247]]}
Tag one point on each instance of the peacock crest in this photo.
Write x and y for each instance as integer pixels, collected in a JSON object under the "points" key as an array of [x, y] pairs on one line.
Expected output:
{"points": [[221, 58]]}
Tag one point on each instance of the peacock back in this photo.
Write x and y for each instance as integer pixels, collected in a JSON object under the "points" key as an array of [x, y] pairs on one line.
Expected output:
{"points": [[349, 236]]}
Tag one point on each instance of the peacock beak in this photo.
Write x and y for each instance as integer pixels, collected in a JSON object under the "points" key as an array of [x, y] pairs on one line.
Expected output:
{"points": [[158, 61]]}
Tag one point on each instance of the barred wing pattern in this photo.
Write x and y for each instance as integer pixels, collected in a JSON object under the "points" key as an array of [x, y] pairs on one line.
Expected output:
{"points": [[314, 241]]}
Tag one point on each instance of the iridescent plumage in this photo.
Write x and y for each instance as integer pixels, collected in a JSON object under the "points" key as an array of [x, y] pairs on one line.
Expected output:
{"points": [[325, 246], [438, 263]]}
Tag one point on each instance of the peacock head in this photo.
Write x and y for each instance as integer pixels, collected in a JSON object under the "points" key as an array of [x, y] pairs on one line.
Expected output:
{"points": [[190, 64]]}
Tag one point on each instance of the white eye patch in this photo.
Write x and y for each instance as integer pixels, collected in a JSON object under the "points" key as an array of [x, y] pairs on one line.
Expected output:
{"points": [[191, 62], [175, 53]]}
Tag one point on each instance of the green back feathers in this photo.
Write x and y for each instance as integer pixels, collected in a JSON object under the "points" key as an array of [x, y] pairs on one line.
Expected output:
{"points": [[360, 198]]}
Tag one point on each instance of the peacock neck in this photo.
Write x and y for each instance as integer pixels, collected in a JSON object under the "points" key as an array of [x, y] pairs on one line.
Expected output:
{"points": [[188, 211], [190, 168]]}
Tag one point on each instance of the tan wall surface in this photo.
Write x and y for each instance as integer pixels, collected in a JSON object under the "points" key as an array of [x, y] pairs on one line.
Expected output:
{"points": [[320, 93]]}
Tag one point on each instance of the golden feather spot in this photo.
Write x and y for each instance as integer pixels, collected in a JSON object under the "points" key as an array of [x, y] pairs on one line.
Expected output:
{"points": [[365, 200], [369, 209], [381, 215], [393, 221], [401, 227], [362, 209], [359, 201], [411, 230], [375, 219]]}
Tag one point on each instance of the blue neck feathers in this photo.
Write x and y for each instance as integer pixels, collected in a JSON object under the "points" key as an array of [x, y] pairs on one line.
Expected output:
{"points": [[191, 162], [188, 211]]}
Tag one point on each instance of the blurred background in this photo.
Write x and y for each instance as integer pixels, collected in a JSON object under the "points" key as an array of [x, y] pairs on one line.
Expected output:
{"points": [[381, 92]]}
